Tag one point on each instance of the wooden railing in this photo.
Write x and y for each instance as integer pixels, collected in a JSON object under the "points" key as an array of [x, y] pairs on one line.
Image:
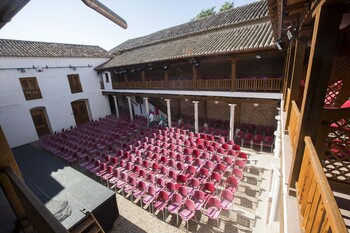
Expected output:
{"points": [[270, 84], [215, 84], [181, 84], [318, 209], [156, 84], [273, 84], [294, 125]]}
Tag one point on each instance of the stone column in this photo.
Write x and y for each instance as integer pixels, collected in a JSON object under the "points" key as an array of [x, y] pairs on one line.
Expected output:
{"points": [[232, 121], [130, 108], [168, 111], [195, 116], [116, 105], [147, 109]]}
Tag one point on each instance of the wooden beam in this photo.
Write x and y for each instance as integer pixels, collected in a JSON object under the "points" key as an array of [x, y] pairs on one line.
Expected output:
{"points": [[297, 69], [288, 71], [166, 78], [41, 218], [12, 196], [6, 156], [233, 75], [143, 76], [323, 49], [179, 105], [195, 76]]}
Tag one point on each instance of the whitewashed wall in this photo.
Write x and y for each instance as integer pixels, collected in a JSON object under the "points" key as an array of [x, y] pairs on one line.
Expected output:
{"points": [[15, 118]]}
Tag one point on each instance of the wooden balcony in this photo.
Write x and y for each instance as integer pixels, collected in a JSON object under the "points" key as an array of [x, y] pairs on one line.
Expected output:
{"points": [[294, 125], [318, 209], [270, 85]]}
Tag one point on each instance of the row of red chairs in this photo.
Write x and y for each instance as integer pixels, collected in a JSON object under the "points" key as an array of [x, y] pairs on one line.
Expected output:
{"points": [[257, 142]]}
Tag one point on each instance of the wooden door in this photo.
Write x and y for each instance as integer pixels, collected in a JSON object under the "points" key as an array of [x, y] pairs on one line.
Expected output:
{"points": [[40, 121], [80, 112]]}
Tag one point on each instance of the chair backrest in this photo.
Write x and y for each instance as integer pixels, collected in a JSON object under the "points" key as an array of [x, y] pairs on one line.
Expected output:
{"points": [[180, 166], [209, 164], [208, 187], [199, 195], [231, 181], [190, 205], [215, 202], [227, 195], [183, 191], [181, 179], [204, 171], [151, 190], [188, 159], [216, 176], [110, 169], [160, 182], [194, 182], [170, 186], [163, 196]]}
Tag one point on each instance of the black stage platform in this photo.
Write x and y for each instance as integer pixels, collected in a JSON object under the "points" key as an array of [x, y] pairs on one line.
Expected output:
{"points": [[63, 190]]}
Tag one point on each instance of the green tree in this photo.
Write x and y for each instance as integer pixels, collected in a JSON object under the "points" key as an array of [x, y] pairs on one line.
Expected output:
{"points": [[227, 6], [205, 13]]}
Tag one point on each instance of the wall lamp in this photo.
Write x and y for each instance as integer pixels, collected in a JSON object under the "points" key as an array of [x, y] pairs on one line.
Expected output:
{"points": [[257, 56], [165, 67], [255, 104]]}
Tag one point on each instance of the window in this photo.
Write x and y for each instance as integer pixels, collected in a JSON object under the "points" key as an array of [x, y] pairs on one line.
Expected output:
{"points": [[30, 88], [107, 78], [74, 83]]}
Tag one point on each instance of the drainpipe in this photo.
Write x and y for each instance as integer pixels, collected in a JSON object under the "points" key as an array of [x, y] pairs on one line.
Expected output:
{"points": [[106, 12]]}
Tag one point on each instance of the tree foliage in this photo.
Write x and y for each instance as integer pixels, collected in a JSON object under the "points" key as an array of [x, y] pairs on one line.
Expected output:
{"points": [[227, 6], [211, 11], [205, 13]]}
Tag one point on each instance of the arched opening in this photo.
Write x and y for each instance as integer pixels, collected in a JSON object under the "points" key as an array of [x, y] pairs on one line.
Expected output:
{"points": [[80, 111], [40, 121]]}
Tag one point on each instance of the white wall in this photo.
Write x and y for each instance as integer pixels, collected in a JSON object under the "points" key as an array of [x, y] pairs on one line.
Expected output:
{"points": [[15, 118]]}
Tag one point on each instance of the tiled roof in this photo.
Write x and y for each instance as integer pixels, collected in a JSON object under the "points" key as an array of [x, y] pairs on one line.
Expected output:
{"points": [[249, 12], [231, 40], [19, 48]]}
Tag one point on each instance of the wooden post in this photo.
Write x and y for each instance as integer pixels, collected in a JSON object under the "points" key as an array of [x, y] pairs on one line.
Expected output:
{"points": [[179, 104], [126, 80], [7, 160], [297, 69], [323, 49], [143, 78], [194, 74], [166, 79], [288, 73], [233, 75]]}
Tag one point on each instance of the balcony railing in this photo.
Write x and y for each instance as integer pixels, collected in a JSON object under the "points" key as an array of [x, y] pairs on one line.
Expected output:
{"points": [[271, 84], [220, 84], [318, 209], [294, 125]]}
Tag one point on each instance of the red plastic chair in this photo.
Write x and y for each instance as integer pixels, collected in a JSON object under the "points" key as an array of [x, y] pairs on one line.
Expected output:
{"points": [[215, 179], [140, 190], [268, 143], [199, 199], [203, 175], [238, 173], [226, 199], [120, 184], [114, 178], [190, 172], [209, 189], [161, 202], [149, 197], [209, 165], [213, 209], [108, 174], [130, 186], [231, 184], [192, 186], [175, 205], [247, 140], [257, 142], [198, 163], [188, 211], [181, 179]]}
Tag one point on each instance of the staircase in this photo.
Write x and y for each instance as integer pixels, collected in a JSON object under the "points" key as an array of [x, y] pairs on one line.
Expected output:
{"points": [[89, 225], [162, 107]]}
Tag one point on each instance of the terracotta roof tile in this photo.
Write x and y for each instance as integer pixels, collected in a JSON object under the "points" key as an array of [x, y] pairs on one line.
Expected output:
{"points": [[20, 48]]}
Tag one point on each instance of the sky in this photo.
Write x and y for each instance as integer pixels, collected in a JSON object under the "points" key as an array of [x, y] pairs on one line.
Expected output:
{"points": [[71, 21]]}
